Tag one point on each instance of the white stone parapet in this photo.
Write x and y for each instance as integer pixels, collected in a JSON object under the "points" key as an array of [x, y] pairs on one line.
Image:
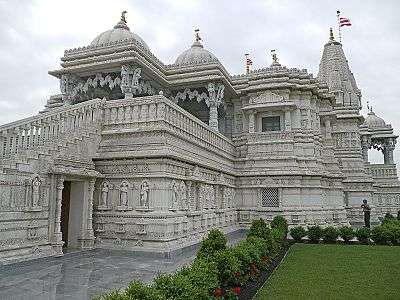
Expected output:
{"points": [[35, 131]]}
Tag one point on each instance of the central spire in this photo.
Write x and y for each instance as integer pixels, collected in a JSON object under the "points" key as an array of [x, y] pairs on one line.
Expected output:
{"points": [[197, 39], [122, 23]]}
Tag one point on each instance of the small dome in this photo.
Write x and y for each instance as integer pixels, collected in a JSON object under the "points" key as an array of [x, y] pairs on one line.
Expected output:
{"points": [[195, 55], [373, 121], [120, 32]]}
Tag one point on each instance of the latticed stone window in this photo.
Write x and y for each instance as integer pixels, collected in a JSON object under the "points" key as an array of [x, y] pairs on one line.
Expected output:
{"points": [[270, 197], [271, 124]]}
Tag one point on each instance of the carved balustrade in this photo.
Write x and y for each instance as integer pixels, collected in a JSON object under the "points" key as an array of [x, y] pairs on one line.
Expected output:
{"points": [[35, 131], [158, 112], [382, 171]]}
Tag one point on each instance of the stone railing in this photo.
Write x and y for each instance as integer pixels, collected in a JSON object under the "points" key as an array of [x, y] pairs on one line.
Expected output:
{"points": [[158, 112], [382, 171], [270, 136], [37, 130]]}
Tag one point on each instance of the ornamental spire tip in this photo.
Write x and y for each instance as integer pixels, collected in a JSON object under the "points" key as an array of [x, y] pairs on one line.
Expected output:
{"points": [[123, 18]]}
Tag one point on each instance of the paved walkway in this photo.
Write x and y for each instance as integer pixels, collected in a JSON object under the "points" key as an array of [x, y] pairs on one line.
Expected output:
{"points": [[82, 275]]}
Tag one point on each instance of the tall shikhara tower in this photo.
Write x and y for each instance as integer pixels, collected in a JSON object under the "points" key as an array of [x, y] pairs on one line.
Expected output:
{"points": [[335, 71]]}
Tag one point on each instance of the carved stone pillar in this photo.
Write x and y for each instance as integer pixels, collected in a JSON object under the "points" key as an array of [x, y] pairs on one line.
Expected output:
{"points": [[328, 128], [57, 242], [288, 121], [90, 207], [297, 118], [215, 95], [213, 120], [252, 124], [388, 151], [365, 143], [87, 238]]}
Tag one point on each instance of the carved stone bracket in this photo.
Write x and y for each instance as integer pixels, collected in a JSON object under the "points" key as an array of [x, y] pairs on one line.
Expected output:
{"points": [[131, 83]]}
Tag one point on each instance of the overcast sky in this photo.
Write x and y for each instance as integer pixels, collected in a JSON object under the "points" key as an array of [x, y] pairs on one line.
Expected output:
{"points": [[34, 34]]}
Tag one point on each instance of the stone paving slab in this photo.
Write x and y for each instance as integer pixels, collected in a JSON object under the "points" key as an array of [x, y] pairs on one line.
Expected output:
{"points": [[82, 275]]}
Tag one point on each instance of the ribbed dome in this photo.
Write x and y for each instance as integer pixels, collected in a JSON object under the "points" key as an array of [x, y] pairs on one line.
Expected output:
{"points": [[195, 55], [373, 121], [120, 32]]}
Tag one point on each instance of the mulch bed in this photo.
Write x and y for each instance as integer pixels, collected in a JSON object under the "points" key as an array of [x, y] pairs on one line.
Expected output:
{"points": [[250, 290]]}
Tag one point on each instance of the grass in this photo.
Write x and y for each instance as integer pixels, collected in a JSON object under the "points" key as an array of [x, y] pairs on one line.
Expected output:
{"points": [[335, 272]]}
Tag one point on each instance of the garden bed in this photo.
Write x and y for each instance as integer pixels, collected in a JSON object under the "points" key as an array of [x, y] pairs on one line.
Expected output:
{"points": [[250, 290]]}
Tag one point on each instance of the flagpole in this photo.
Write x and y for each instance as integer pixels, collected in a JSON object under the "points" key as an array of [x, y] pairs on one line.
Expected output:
{"points": [[338, 22], [246, 63]]}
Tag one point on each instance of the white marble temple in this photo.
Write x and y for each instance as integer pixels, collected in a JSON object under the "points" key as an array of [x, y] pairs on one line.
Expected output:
{"points": [[138, 155]]}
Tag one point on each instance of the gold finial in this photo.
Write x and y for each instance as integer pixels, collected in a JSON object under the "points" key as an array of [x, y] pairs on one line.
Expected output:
{"points": [[123, 19], [331, 37], [275, 59], [197, 35]]}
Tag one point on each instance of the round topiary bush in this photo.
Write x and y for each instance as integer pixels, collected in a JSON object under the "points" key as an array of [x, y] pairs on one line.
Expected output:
{"points": [[330, 234], [314, 233], [363, 235], [298, 233], [346, 233]]}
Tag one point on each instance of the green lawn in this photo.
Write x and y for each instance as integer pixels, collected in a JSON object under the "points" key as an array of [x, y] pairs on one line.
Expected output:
{"points": [[336, 272]]}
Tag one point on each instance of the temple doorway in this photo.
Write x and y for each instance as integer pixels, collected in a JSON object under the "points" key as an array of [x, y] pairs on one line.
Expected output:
{"points": [[66, 197], [72, 211]]}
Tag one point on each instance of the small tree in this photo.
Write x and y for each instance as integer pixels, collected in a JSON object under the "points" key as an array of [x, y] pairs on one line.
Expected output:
{"points": [[298, 233]]}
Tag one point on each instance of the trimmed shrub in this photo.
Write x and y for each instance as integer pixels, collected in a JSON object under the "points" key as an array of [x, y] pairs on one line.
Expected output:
{"points": [[346, 233], [203, 275], [227, 265], [259, 229], [215, 241], [114, 295], [398, 215], [388, 218], [387, 234], [314, 233], [278, 235], [298, 233], [137, 290], [174, 286], [382, 235], [330, 234], [363, 235], [281, 223], [244, 255]]}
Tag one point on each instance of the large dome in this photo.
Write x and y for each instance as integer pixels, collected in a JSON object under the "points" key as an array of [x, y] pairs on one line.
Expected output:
{"points": [[120, 32], [195, 55], [373, 121]]}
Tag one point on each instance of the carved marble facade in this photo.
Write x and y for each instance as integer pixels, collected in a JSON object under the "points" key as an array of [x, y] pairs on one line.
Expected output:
{"points": [[152, 156]]}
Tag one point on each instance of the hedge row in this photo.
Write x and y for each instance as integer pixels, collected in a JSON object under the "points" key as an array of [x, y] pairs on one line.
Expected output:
{"points": [[219, 271], [388, 233]]}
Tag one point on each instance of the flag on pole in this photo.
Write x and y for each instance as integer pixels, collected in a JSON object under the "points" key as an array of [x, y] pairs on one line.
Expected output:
{"points": [[344, 22]]}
